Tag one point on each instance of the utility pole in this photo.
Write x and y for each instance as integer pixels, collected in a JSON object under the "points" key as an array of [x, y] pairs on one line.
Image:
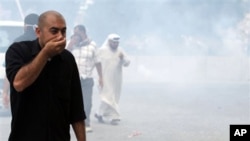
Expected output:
{"points": [[20, 9]]}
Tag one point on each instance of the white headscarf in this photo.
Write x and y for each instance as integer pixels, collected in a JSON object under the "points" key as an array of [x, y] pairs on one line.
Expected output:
{"points": [[114, 37]]}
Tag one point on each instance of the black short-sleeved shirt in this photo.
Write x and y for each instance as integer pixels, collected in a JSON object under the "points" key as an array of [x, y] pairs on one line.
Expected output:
{"points": [[44, 110]]}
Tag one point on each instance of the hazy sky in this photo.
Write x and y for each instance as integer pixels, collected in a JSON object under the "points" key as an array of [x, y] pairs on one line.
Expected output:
{"points": [[166, 27], [179, 27]]}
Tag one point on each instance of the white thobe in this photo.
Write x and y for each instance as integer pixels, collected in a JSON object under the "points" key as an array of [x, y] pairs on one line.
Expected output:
{"points": [[112, 81]]}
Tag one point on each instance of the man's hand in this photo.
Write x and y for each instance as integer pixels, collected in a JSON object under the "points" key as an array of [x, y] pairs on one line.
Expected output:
{"points": [[121, 56], [55, 46], [100, 83]]}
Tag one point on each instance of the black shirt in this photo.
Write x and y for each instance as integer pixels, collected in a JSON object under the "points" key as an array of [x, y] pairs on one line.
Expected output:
{"points": [[28, 35], [44, 110]]}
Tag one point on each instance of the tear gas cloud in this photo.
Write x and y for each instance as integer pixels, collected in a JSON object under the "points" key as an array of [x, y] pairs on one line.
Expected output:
{"points": [[171, 43], [160, 27]]}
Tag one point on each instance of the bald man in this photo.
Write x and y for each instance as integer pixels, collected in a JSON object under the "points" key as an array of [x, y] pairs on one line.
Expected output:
{"points": [[46, 96]]}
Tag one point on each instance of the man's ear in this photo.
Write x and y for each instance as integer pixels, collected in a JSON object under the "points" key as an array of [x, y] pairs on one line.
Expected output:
{"points": [[38, 31]]}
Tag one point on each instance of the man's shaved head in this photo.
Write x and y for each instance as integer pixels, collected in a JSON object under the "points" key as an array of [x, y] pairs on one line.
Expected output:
{"points": [[45, 15]]}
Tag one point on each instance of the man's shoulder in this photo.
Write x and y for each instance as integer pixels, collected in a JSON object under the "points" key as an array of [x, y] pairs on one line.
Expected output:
{"points": [[67, 54], [89, 43], [24, 49], [19, 44], [22, 46]]}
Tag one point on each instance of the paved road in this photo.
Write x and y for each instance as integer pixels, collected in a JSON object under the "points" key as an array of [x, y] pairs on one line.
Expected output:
{"points": [[171, 112]]}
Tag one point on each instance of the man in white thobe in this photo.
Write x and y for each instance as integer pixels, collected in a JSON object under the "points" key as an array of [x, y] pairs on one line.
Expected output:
{"points": [[112, 58]]}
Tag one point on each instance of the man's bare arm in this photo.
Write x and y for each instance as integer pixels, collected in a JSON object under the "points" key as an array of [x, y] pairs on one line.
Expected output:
{"points": [[79, 129], [6, 98], [99, 71], [29, 72]]}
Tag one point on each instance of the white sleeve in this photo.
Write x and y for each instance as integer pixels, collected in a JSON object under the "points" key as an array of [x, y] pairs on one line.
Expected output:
{"points": [[125, 60]]}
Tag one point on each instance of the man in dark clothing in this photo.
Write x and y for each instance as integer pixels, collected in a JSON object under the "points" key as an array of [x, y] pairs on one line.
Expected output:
{"points": [[30, 23], [46, 94]]}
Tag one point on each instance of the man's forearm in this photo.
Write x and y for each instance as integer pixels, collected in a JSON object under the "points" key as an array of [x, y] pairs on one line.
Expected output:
{"points": [[99, 69], [29, 73], [79, 129]]}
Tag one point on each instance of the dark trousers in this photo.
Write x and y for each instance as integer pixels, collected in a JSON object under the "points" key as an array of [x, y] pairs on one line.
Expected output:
{"points": [[87, 90]]}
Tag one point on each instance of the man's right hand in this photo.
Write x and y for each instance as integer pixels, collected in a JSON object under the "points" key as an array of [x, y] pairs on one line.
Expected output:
{"points": [[55, 46]]}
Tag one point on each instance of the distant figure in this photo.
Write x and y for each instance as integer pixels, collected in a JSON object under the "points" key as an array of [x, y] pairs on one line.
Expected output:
{"points": [[84, 51], [30, 24], [45, 88], [76, 38], [112, 58]]}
